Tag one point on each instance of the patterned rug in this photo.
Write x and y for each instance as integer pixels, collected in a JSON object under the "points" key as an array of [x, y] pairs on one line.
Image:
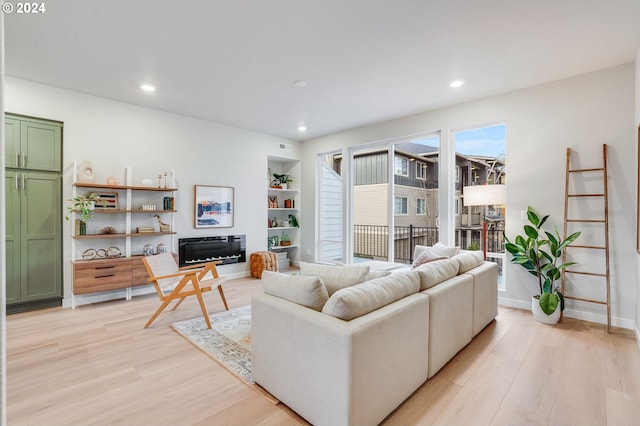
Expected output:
{"points": [[228, 341]]}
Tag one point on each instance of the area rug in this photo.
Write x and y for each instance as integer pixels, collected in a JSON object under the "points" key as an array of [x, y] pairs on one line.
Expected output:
{"points": [[228, 341]]}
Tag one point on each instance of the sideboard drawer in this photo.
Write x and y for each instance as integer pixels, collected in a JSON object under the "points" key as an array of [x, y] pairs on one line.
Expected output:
{"points": [[101, 275]]}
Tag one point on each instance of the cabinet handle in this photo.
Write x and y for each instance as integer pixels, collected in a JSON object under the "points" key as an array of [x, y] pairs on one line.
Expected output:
{"points": [[24, 183], [17, 179], [105, 276], [105, 267], [17, 159]]}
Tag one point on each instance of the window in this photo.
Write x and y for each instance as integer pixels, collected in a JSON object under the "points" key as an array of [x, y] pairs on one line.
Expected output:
{"points": [[421, 206], [401, 206], [458, 173], [421, 170], [402, 166]]}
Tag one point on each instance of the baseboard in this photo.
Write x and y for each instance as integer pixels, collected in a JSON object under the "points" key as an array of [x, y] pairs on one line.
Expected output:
{"points": [[514, 303], [581, 315]]}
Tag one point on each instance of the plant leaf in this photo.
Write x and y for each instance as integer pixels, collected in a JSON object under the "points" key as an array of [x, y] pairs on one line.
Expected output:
{"points": [[549, 302]]}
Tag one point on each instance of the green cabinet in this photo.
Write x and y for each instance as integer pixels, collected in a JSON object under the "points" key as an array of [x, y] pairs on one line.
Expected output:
{"points": [[33, 236], [33, 144], [33, 213]]}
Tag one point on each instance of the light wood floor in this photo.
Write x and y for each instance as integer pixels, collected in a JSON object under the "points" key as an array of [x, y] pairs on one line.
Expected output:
{"points": [[97, 365]]}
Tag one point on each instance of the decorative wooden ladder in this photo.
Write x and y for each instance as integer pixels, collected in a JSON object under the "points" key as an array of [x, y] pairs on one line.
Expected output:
{"points": [[604, 221]]}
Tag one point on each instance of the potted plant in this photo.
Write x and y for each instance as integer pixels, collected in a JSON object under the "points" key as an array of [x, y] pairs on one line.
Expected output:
{"points": [[84, 206], [540, 257], [281, 180]]}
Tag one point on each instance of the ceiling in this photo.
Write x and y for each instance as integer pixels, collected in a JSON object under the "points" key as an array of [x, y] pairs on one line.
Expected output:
{"points": [[363, 61]]}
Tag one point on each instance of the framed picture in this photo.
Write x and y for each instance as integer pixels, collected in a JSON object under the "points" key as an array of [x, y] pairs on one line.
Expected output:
{"points": [[107, 200], [213, 206]]}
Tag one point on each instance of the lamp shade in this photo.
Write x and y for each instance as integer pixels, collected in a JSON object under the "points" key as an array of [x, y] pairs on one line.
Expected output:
{"points": [[485, 195]]}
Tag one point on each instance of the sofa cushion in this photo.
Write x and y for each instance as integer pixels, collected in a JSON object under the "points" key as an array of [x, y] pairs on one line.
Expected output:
{"points": [[433, 273], [372, 275], [468, 260], [336, 277], [306, 291], [353, 302], [426, 256]]}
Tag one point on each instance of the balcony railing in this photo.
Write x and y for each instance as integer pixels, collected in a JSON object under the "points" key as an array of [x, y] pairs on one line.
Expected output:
{"points": [[372, 241]]}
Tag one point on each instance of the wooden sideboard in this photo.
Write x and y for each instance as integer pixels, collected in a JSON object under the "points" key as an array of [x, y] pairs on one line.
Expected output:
{"points": [[90, 276]]}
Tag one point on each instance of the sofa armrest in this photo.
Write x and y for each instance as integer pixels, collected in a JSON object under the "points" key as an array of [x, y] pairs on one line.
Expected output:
{"points": [[336, 372], [485, 295]]}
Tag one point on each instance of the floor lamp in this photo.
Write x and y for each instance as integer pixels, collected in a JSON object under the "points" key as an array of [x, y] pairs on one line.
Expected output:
{"points": [[484, 195]]}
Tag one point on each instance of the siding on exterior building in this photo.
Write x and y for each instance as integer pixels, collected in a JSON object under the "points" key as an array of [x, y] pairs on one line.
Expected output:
{"points": [[370, 205], [331, 202]]}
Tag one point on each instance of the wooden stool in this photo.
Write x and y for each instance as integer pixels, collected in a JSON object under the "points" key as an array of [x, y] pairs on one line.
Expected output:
{"points": [[263, 261]]}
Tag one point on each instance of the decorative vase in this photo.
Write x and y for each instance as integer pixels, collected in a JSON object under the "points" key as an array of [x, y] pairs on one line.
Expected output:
{"points": [[540, 316], [283, 186], [83, 228]]}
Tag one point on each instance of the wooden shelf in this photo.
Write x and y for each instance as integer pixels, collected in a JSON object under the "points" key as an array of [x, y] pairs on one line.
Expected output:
{"points": [[137, 188], [136, 234], [132, 211]]}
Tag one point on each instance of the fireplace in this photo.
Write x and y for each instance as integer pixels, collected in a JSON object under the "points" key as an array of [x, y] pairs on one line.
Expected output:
{"points": [[226, 249]]}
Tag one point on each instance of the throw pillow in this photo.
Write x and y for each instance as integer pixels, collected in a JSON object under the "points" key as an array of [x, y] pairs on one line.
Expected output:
{"points": [[427, 256], [443, 250], [306, 291], [353, 302], [336, 277]]}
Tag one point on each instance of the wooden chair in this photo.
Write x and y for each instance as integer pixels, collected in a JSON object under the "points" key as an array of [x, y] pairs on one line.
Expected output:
{"points": [[172, 282]]}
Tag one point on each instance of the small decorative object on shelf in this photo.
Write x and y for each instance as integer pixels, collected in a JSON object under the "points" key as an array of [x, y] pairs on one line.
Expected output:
{"points": [[293, 221], [108, 230], [112, 180], [147, 250], [281, 181], [273, 202], [164, 227], [284, 240], [161, 248], [85, 172], [274, 222], [110, 253], [83, 204], [147, 182], [145, 229], [168, 203]]}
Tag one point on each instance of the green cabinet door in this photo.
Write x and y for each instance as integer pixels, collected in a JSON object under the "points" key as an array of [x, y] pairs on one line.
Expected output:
{"points": [[41, 146], [12, 215], [33, 236], [41, 245], [11, 142]]}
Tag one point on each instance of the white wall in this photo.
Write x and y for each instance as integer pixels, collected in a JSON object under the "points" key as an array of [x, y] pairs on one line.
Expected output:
{"points": [[582, 112], [114, 135], [637, 155]]}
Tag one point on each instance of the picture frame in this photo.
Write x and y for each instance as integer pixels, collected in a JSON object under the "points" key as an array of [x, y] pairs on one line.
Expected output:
{"points": [[213, 206], [107, 201]]}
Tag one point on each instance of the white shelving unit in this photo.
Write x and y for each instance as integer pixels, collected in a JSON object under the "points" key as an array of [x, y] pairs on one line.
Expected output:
{"points": [[125, 218], [281, 213]]}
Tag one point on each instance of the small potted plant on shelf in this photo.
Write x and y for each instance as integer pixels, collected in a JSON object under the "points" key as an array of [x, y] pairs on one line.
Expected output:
{"points": [[84, 206], [540, 257], [281, 181]]}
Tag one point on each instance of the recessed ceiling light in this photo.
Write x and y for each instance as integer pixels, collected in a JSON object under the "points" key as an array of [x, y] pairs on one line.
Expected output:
{"points": [[299, 83], [302, 128], [148, 87], [456, 83]]}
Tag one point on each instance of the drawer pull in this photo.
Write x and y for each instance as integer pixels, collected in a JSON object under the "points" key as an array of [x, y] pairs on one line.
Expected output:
{"points": [[105, 276], [105, 267]]}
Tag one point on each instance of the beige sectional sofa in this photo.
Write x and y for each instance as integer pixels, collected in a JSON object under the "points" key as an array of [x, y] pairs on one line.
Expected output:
{"points": [[344, 345]]}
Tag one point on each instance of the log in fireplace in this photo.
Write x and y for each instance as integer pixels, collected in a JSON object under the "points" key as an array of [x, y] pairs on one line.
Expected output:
{"points": [[226, 249]]}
